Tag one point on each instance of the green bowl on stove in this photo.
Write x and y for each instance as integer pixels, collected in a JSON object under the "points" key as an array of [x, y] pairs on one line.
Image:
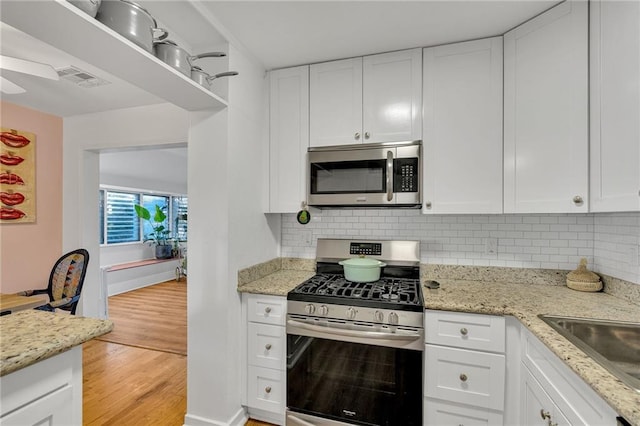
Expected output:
{"points": [[362, 269]]}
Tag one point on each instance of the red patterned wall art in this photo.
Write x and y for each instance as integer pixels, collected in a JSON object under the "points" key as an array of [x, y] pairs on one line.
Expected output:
{"points": [[17, 176]]}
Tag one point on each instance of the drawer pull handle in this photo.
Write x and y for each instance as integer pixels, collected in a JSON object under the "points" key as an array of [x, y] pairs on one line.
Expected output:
{"points": [[268, 346], [267, 309], [545, 414], [267, 389], [463, 377], [464, 331]]}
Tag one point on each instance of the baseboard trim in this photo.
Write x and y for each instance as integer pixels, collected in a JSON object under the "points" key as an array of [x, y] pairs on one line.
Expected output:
{"points": [[238, 419]]}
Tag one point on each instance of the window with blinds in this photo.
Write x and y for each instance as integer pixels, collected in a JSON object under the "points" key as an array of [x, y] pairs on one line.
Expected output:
{"points": [[179, 208], [120, 224]]}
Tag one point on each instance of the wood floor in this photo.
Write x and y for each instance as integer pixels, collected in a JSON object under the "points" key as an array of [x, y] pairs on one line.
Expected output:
{"points": [[132, 384], [153, 317]]}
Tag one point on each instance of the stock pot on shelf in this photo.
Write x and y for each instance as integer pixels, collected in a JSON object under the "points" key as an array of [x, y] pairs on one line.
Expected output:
{"points": [[176, 57], [132, 22], [204, 79]]}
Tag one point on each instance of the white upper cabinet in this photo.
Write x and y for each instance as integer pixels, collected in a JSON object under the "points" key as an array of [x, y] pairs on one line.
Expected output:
{"points": [[288, 138], [377, 98], [463, 127], [335, 91], [615, 105], [545, 112], [392, 96]]}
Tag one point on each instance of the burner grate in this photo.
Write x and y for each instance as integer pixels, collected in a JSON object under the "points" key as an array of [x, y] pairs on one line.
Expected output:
{"points": [[391, 290]]}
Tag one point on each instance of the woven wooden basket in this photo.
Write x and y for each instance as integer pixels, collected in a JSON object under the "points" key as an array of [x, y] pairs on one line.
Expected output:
{"points": [[582, 279]]}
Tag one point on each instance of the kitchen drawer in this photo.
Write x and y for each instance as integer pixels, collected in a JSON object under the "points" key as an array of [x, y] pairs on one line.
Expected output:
{"points": [[450, 414], [267, 345], [464, 376], [266, 389], [266, 309], [576, 399], [463, 330]]}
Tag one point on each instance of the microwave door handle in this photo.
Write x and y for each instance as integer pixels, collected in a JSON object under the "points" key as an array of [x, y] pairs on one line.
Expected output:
{"points": [[389, 175]]}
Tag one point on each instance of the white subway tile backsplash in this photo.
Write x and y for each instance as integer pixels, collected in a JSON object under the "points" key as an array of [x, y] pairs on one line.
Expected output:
{"points": [[555, 241]]}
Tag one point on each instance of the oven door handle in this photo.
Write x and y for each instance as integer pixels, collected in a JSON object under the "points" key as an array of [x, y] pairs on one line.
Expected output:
{"points": [[298, 421], [355, 333]]}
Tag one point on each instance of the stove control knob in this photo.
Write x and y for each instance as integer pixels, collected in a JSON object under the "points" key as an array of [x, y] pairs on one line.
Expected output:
{"points": [[378, 316], [310, 309], [324, 310], [351, 313], [393, 318]]}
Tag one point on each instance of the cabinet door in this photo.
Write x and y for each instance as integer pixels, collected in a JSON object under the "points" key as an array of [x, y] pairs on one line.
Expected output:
{"points": [[392, 96], [615, 105], [335, 91], [463, 127], [537, 408], [53, 409], [288, 138], [443, 413], [545, 113]]}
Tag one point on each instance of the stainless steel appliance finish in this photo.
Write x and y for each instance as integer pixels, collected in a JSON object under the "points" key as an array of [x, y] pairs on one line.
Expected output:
{"points": [[613, 344], [354, 350], [131, 21], [176, 57], [371, 175]]}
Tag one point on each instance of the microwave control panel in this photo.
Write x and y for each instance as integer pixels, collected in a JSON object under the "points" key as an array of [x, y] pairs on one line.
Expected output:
{"points": [[405, 175]]}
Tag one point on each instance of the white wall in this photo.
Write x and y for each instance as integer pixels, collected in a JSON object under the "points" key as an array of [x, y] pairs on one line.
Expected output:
{"points": [[84, 137], [226, 170], [554, 241]]}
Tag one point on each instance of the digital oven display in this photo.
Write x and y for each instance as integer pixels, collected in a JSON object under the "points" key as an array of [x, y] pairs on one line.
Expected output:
{"points": [[371, 249]]}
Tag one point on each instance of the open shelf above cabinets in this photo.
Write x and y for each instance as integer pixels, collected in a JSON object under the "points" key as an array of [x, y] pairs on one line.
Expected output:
{"points": [[63, 26]]}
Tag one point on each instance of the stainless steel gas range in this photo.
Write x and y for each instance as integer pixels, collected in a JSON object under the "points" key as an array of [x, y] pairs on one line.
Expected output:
{"points": [[354, 350]]}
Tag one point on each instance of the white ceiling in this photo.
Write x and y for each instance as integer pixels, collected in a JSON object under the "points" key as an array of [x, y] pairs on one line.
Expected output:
{"points": [[277, 33], [286, 33]]}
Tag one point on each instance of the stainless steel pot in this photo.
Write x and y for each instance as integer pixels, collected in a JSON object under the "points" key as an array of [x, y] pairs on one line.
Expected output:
{"points": [[175, 56], [204, 79], [90, 7], [132, 22]]}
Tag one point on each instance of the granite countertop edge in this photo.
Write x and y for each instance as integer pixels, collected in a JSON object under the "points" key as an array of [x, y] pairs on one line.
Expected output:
{"points": [[30, 336], [525, 303]]}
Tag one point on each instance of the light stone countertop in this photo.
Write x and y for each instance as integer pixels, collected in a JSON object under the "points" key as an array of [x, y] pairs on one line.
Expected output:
{"points": [[496, 294], [29, 336]]}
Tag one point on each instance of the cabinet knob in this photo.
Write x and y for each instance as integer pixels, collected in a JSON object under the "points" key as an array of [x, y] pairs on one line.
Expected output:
{"points": [[267, 310], [356, 136], [463, 377], [544, 414], [577, 199], [267, 389], [427, 204], [268, 346], [367, 135], [464, 331]]}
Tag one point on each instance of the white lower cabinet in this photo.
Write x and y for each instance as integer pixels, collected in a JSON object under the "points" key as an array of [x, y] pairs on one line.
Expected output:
{"points": [[550, 389], [47, 393], [464, 379], [266, 349], [537, 406]]}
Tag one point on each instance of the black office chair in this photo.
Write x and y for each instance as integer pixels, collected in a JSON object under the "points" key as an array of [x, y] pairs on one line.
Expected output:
{"points": [[65, 282]]}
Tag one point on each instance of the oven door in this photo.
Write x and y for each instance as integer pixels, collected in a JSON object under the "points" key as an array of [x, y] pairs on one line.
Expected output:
{"points": [[335, 382]]}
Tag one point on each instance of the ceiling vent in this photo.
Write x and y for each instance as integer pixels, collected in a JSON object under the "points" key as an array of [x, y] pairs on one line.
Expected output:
{"points": [[80, 77]]}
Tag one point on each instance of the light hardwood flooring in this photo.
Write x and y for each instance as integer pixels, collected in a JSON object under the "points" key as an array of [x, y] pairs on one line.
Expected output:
{"points": [[130, 384]]}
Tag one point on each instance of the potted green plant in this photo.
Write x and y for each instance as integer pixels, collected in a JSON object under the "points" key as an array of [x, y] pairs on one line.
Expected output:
{"points": [[160, 234]]}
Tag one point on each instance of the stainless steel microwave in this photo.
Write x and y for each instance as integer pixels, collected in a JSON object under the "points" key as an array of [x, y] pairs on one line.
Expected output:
{"points": [[365, 175]]}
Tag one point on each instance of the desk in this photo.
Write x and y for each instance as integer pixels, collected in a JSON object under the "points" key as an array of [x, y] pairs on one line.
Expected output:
{"points": [[12, 302]]}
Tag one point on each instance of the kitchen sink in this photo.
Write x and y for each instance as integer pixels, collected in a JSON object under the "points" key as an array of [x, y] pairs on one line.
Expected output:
{"points": [[613, 344]]}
